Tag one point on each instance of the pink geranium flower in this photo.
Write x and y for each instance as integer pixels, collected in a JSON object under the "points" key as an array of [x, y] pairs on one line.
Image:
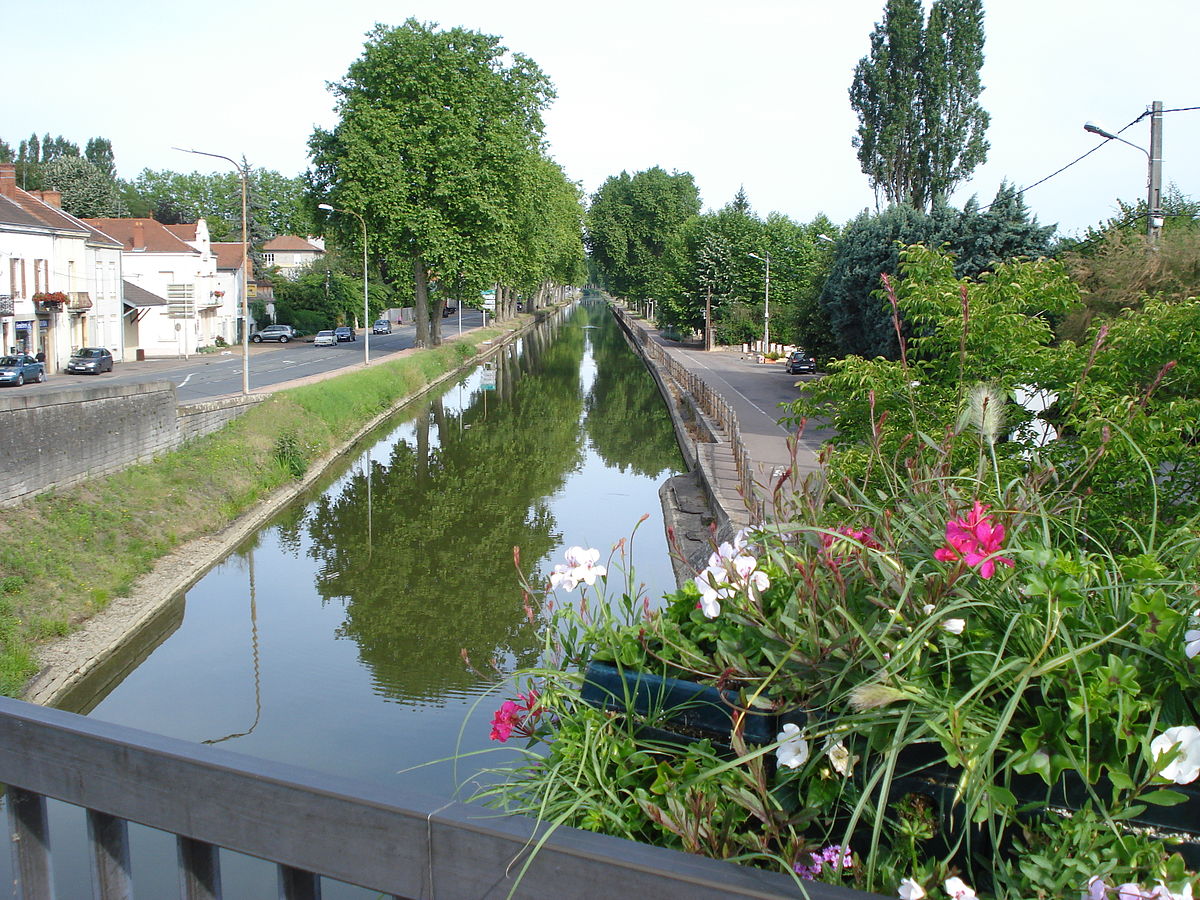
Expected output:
{"points": [[976, 540]]}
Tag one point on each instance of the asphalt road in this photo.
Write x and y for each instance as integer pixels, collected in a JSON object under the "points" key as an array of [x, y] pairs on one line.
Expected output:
{"points": [[206, 376]]}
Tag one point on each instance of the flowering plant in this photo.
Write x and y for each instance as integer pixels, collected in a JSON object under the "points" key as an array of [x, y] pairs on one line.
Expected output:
{"points": [[996, 675], [50, 297]]}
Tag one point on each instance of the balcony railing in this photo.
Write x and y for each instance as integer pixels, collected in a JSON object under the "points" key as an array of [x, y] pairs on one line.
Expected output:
{"points": [[313, 825]]}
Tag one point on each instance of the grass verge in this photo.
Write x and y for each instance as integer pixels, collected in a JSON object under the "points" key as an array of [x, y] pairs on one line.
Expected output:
{"points": [[65, 554]]}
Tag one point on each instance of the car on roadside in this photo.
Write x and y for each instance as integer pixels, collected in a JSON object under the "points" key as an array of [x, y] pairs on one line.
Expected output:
{"points": [[281, 333], [801, 363], [90, 361], [324, 339], [383, 326], [20, 368], [345, 333], [448, 311]]}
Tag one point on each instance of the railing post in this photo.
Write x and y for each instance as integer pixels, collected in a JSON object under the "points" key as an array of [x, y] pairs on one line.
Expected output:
{"points": [[199, 870], [112, 876], [30, 835], [296, 884]]}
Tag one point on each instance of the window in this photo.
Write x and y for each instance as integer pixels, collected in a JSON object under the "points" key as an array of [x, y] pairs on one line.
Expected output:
{"points": [[41, 275], [269, 258]]}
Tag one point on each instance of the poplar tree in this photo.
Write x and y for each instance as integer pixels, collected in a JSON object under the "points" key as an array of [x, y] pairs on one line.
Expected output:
{"points": [[921, 128]]}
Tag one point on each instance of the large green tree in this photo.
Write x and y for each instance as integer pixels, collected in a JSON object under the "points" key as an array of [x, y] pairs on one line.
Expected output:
{"points": [[439, 134], [921, 127], [86, 191], [631, 223]]}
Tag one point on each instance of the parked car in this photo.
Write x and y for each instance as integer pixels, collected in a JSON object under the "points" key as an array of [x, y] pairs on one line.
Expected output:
{"points": [[448, 310], [799, 362], [383, 326], [281, 333], [20, 368], [345, 333], [324, 339], [90, 361]]}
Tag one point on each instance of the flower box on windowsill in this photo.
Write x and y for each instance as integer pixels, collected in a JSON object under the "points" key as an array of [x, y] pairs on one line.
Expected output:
{"points": [[698, 710]]}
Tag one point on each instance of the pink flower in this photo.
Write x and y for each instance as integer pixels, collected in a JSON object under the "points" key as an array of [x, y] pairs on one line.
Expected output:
{"points": [[975, 539], [506, 718]]}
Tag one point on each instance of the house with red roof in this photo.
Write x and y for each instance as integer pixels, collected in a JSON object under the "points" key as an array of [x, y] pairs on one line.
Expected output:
{"points": [[176, 265], [291, 254], [60, 278]]}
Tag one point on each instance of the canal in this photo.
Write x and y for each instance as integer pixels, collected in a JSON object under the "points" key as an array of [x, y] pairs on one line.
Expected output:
{"points": [[370, 628]]}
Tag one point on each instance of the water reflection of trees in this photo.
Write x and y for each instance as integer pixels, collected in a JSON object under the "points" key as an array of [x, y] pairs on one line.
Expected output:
{"points": [[627, 421], [444, 514]]}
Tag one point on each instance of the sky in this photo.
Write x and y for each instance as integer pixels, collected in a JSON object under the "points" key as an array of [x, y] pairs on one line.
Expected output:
{"points": [[750, 94]]}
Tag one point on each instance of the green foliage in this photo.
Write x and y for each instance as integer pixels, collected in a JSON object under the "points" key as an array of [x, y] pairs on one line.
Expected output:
{"points": [[86, 191], [631, 222], [870, 246], [921, 128], [438, 147]]}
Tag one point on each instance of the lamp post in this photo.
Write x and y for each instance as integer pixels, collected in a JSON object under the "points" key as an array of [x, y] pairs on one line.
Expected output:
{"points": [[366, 306], [1154, 216], [766, 257], [245, 270]]}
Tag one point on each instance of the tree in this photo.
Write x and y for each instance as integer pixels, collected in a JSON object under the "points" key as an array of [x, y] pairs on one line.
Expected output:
{"points": [[86, 191], [921, 128], [439, 131], [99, 153], [860, 321], [632, 221]]}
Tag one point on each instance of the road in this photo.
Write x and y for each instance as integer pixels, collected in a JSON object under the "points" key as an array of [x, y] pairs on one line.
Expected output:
{"points": [[206, 376]]}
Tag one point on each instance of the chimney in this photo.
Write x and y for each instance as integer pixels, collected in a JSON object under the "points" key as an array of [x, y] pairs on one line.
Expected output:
{"points": [[8, 179], [52, 198], [139, 235]]}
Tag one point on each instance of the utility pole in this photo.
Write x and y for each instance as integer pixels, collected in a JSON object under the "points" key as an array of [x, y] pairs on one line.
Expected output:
{"points": [[1154, 213]]}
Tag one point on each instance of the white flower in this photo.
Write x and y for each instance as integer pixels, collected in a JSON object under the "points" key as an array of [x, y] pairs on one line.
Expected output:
{"points": [[581, 566], [1192, 636], [841, 759], [928, 609], [1185, 767], [910, 890], [793, 752], [959, 889], [955, 626], [729, 573]]}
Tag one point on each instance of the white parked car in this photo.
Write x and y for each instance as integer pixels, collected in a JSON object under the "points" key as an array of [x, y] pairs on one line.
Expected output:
{"points": [[324, 339]]}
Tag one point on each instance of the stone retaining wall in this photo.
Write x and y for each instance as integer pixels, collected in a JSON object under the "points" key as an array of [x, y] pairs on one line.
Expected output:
{"points": [[56, 439]]}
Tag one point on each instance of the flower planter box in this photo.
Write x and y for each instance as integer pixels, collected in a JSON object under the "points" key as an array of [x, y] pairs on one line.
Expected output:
{"points": [[701, 711]]}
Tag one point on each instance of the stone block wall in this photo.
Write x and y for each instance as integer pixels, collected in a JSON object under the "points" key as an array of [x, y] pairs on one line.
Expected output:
{"points": [[61, 438]]}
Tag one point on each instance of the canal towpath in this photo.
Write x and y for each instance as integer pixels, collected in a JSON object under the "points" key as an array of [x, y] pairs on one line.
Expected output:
{"points": [[727, 408]]}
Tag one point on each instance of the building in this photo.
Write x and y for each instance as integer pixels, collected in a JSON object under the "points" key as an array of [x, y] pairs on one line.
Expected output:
{"points": [[179, 268], [60, 278], [290, 254]]}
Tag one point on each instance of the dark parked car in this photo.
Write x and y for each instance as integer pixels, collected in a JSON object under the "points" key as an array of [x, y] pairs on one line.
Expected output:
{"points": [[800, 362], [281, 333], [90, 361], [20, 368], [345, 333], [448, 311]]}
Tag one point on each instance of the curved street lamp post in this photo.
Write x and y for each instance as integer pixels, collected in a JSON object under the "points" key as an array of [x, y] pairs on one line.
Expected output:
{"points": [[766, 257], [1154, 214]]}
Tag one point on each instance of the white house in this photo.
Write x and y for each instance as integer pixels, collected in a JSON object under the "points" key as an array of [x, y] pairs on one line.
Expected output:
{"points": [[60, 278], [229, 278], [291, 254], [182, 273]]}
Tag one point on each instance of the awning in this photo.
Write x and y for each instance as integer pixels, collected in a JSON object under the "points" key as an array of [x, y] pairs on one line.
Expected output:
{"points": [[140, 298]]}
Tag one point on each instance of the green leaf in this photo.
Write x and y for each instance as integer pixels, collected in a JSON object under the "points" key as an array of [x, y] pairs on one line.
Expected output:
{"points": [[1163, 797]]}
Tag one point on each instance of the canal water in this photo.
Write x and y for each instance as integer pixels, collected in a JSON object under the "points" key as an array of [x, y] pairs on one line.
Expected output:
{"points": [[338, 637]]}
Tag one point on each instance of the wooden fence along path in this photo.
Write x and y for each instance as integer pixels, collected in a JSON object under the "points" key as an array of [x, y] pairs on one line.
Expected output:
{"points": [[312, 825]]}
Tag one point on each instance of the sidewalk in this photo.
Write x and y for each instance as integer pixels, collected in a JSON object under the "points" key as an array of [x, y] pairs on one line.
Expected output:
{"points": [[712, 384]]}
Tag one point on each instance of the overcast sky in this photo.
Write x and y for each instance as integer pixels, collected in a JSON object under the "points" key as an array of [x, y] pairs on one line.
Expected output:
{"points": [[749, 93]]}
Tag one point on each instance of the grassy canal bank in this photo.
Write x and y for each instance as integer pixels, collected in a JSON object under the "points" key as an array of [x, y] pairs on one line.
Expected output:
{"points": [[66, 555]]}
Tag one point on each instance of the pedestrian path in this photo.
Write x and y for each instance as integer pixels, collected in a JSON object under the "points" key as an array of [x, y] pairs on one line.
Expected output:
{"points": [[749, 451]]}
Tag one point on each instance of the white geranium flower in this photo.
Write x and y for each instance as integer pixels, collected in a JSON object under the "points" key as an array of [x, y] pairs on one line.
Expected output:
{"points": [[954, 626], [1185, 768], [911, 890], [581, 566], [841, 759], [793, 752], [1192, 636], [959, 889]]}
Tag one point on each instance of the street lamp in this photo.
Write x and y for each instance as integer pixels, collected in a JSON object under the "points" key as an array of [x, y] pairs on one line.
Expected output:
{"points": [[766, 257], [1154, 216], [366, 307], [245, 270]]}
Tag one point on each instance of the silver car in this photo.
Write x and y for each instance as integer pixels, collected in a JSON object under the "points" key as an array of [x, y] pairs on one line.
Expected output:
{"points": [[324, 339]]}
